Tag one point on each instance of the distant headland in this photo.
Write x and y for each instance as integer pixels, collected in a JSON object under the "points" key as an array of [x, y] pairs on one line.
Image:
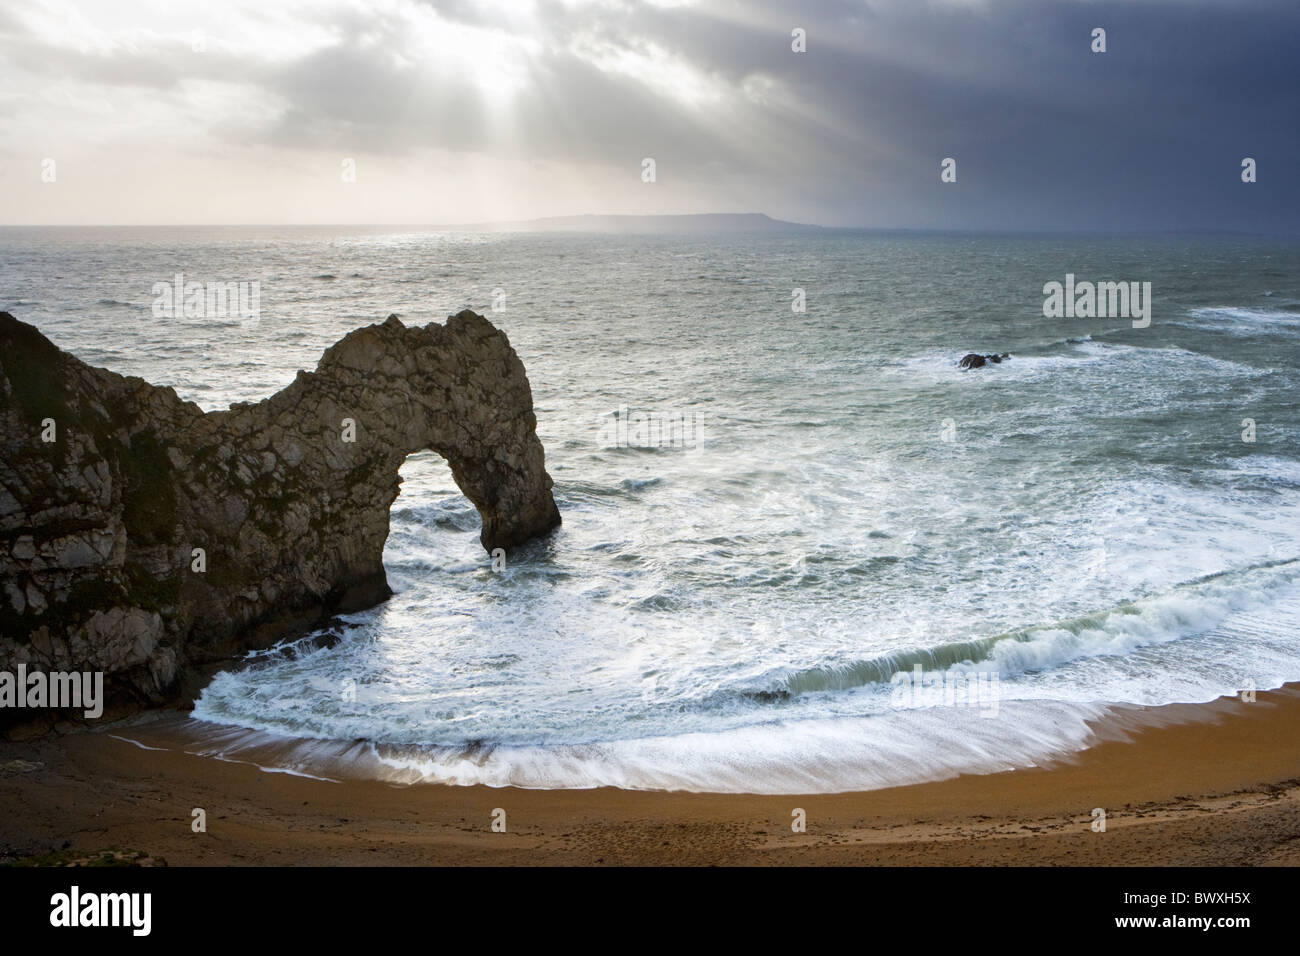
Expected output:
{"points": [[713, 222]]}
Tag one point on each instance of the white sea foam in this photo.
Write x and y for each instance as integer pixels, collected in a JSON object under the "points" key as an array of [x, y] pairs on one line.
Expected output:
{"points": [[1235, 629], [1072, 355], [1235, 320], [1239, 314]]}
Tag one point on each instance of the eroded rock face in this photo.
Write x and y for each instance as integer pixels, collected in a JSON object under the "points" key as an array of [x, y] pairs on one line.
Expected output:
{"points": [[98, 528]]}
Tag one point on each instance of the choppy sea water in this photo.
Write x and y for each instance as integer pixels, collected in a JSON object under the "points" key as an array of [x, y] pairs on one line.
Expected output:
{"points": [[1078, 527]]}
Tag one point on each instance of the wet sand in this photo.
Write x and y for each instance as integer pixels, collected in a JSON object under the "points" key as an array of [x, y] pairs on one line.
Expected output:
{"points": [[1206, 784]]}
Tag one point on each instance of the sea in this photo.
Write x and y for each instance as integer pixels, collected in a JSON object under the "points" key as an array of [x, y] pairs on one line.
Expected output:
{"points": [[802, 551]]}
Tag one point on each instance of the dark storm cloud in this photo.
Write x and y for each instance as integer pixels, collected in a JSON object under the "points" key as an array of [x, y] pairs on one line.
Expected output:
{"points": [[1046, 133]]}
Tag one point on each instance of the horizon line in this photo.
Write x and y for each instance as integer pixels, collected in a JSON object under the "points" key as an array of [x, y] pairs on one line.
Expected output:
{"points": [[775, 226]]}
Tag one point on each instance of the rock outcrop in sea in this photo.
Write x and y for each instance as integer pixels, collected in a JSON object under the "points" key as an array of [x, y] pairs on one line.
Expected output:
{"points": [[975, 360], [149, 540]]}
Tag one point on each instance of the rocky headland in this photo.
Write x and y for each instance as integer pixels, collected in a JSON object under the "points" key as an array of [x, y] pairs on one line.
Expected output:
{"points": [[149, 540]]}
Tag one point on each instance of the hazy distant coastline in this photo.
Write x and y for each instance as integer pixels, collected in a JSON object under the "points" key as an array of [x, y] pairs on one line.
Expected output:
{"points": [[712, 223]]}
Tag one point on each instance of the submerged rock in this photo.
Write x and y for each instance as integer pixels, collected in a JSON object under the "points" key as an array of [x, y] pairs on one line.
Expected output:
{"points": [[975, 360], [145, 538]]}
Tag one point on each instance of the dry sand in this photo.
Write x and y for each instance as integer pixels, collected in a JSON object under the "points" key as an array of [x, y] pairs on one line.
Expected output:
{"points": [[1211, 784]]}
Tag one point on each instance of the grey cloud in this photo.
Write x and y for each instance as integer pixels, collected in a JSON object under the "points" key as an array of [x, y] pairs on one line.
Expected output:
{"points": [[1046, 133]]}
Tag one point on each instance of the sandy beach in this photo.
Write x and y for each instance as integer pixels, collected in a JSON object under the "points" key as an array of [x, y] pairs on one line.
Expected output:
{"points": [[1186, 785]]}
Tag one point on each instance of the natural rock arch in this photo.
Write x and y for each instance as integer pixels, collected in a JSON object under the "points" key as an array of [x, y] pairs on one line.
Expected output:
{"points": [[98, 528]]}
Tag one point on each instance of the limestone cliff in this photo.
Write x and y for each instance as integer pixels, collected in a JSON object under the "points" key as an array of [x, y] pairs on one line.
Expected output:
{"points": [[287, 498]]}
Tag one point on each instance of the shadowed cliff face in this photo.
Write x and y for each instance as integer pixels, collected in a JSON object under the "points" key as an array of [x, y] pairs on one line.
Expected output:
{"points": [[287, 498]]}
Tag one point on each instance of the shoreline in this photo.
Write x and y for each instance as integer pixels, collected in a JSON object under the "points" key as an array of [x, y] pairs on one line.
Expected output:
{"points": [[1183, 784]]}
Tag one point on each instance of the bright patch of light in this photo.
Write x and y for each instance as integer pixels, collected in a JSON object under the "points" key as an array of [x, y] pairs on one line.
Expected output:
{"points": [[653, 67], [495, 61]]}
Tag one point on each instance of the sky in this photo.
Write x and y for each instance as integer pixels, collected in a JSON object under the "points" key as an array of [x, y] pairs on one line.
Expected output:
{"points": [[457, 111]]}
